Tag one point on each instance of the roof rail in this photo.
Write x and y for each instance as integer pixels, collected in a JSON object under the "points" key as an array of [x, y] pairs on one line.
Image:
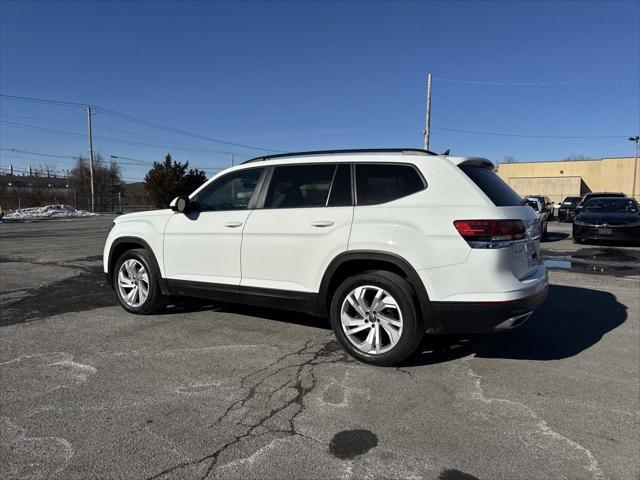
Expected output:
{"points": [[338, 152]]}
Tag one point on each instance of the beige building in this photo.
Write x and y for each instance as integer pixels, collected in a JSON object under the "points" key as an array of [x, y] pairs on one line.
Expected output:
{"points": [[558, 180]]}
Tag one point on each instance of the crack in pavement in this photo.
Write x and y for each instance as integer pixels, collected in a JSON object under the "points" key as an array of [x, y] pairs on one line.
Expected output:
{"points": [[300, 380], [531, 429]]}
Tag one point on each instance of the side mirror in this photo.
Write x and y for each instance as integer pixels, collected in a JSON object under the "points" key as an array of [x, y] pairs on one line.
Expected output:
{"points": [[179, 204]]}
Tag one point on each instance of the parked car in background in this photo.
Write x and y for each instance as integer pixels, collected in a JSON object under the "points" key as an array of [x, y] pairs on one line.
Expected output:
{"points": [[543, 215], [567, 210], [547, 204], [388, 244], [608, 218], [590, 195]]}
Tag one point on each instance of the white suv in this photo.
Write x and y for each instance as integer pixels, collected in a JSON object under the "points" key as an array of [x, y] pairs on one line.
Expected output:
{"points": [[389, 244]]}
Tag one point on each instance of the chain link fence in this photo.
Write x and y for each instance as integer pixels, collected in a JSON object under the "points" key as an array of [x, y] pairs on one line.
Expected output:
{"points": [[104, 203]]}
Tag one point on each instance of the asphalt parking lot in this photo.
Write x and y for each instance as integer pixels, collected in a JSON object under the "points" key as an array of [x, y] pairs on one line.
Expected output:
{"points": [[214, 391]]}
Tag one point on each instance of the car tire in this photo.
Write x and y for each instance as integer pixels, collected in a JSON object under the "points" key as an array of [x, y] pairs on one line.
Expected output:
{"points": [[391, 327], [135, 270], [577, 240]]}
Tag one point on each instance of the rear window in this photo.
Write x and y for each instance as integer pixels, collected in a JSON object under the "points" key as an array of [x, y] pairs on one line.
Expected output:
{"points": [[498, 191], [571, 201]]}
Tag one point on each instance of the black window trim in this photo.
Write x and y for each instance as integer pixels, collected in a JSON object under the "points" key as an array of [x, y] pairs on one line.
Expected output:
{"points": [[354, 181], [333, 179], [254, 195], [262, 197]]}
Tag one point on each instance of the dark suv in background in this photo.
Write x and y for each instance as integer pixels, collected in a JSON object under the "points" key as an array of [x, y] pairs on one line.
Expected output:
{"points": [[592, 195], [567, 210]]}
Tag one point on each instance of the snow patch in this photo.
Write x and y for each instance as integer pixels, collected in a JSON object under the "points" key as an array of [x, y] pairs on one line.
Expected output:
{"points": [[48, 211]]}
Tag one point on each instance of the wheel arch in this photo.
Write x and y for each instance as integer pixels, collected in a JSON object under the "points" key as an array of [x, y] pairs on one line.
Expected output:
{"points": [[123, 244], [349, 263]]}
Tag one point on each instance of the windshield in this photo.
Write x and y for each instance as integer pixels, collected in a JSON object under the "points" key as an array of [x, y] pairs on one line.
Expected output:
{"points": [[612, 205]]}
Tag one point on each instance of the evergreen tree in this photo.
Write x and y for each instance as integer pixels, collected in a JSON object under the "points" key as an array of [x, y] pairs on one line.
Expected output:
{"points": [[169, 179]]}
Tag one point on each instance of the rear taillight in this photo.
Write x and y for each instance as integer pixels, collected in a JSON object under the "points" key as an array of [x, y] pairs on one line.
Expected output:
{"points": [[490, 230]]}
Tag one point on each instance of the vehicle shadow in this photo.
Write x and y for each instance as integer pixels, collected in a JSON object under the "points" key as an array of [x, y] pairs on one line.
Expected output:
{"points": [[571, 320], [191, 304], [611, 243], [554, 237]]}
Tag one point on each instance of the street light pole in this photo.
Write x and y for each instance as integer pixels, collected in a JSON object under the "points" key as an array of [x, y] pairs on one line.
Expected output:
{"points": [[636, 140]]}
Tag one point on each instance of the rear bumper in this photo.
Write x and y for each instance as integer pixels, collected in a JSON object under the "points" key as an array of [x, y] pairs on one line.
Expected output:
{"points": [[484, 317], [618, 233]]}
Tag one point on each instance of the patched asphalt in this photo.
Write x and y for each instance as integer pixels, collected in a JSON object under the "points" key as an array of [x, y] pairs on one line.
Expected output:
{"points": [[216, 391]]}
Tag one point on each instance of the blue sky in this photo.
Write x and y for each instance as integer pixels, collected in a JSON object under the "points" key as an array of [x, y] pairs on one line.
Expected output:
{"points": [[300, 75]]}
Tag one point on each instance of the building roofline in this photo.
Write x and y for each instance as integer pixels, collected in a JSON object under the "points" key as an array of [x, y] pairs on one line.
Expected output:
{"points": [[568, 161]]}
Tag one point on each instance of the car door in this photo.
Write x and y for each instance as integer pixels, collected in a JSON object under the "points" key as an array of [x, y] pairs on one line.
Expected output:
{"points": [[203, 245], [302, 221]]}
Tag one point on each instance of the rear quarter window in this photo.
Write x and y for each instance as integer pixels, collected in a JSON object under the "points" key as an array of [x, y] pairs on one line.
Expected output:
{"points": [[380, 183], [498, 191]]}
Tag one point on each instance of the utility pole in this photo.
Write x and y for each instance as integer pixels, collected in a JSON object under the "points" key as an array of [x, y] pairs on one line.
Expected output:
{"points": [[428, 125], [636, 140], [232, 160], [93, 205]]}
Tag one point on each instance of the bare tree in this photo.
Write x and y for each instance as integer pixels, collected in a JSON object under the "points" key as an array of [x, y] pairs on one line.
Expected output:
{"points": [[577, 156]]}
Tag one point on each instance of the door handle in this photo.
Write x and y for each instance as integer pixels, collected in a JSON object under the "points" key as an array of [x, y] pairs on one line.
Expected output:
{"points": [[233, 224], [322, 223]]}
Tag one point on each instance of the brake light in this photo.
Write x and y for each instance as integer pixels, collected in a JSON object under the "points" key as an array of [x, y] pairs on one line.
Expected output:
{"points": [[490, 230]]}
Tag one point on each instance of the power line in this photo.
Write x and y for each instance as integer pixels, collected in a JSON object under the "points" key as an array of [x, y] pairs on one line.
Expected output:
{"points": [[132, 161], [66, 160], [17, 150], [155, 138], [144, 162], [43, 100], [501, 134], [528, 84], [110, 139], [115, 130], [42, 118], [131, 118]]}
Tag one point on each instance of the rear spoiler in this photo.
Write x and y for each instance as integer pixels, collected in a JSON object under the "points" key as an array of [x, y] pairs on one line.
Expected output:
{"points": [[476, 162]]}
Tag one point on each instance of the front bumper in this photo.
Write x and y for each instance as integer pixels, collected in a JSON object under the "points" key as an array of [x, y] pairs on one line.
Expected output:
{"points": [[484, 317], [619, 233]]}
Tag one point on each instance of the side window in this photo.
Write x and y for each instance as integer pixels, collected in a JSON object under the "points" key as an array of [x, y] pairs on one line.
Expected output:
{"points": [[340, 195], [380, 183], [231, 192], [299, 186]]}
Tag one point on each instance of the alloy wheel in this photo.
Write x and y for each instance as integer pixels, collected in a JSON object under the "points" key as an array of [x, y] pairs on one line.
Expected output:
{"points": [[371, 319], [133, 282]]}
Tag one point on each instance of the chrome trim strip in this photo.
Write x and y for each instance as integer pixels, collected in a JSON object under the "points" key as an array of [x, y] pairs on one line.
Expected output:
{"points": [[606, 225], [500, 243]]}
